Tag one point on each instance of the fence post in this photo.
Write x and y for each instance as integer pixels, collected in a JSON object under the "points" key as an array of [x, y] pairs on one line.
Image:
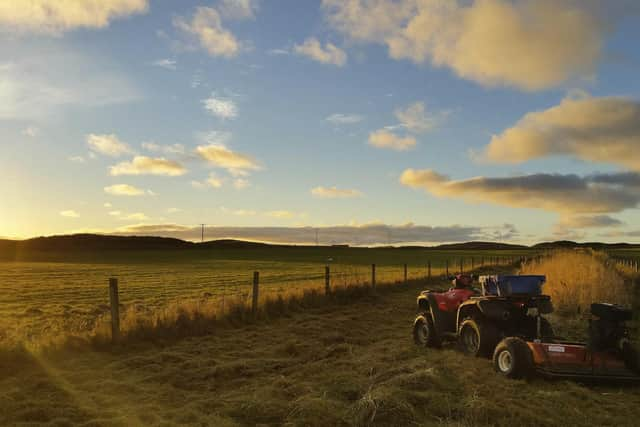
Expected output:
{"points": [[256, 292], [429, 269], [327, 280], [405, 274], [373, 277], [446, 267], [115, 309]]}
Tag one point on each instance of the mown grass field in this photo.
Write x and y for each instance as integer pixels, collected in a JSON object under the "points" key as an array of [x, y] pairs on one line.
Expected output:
{"points": [[350, 363], [62, 295]]}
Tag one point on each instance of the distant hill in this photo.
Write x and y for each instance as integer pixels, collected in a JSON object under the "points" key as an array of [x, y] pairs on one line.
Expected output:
{"points": [[480, 246], [98, 245]]}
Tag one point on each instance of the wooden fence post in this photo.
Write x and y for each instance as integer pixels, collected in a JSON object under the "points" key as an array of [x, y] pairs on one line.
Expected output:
{"points": [[373, 277], [405, 274], [429, 269], [446, 267], [256, 292], [115, 309], [327, 280]]}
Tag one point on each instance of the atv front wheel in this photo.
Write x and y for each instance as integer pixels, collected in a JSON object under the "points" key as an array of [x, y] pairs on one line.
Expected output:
{"points": [[477, 338], [424, 333], [513, 359]]}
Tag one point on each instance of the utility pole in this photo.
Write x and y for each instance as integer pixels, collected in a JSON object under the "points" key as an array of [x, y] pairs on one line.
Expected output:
{"points": [[202, 238]]}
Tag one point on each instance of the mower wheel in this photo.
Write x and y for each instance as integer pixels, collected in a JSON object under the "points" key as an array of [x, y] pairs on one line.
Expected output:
{"points": [[477, 338], [424, 332], [513, 359]]}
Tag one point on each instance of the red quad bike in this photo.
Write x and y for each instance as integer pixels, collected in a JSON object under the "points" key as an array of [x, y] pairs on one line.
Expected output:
{"points": [[478, 319], [607, 354]]}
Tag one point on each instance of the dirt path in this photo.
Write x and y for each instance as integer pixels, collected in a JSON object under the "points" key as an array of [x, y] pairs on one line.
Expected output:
{"points": [[336, 365]]}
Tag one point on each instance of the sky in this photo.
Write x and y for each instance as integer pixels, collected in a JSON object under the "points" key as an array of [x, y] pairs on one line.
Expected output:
{"points": [[339, 121]]}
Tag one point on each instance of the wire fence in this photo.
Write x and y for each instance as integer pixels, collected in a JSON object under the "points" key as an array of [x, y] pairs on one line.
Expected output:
{"points": [[43, 300]]}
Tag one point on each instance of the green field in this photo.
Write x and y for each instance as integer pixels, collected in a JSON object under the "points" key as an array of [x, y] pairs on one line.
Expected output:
{"points": [[69, 294]]}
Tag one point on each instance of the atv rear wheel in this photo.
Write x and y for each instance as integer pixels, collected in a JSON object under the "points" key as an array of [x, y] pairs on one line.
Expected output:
{"points": [[424, 332], [513, 359], [477, 338]]}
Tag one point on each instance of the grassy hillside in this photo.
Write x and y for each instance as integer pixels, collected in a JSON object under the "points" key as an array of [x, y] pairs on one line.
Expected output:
{"points": [[340, 365]]}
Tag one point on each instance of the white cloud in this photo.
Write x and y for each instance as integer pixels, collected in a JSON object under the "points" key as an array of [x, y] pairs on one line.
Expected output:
{"points": [[344, 119], [594, 221], [173, 210], [31, 131], [281, 214], [107, 205], [108, 145], [384, 139], [221, 107], [168, 64], [167, 149], [278, 52], [76, 159], [198, 184], [54, 17], [206, 27], [124, 190], [329, 54], [603, 129], [238, 9], [142, 165], [70, 214], [214, 182], [38, 83], [115, 213], [220, 156], [138, 216], [528, 44], [241, 183], [417, 120], [334, 193]]}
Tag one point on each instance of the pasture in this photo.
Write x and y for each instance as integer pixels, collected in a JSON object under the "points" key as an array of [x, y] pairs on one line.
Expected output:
{"points": [[68, 294]]}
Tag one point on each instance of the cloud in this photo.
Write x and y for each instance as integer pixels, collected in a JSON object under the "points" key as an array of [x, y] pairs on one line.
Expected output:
{"points": [[603, 129], [595, 221], [137, 216], [107, 205], [167, 149], [198, 184], [206, 27], [384, 139], [31, 131], [213, 181], [238, 9], [564, 194], [76, 159], [241, 183], [168, 64], [70, 214], [329, 54], [219, 155], [528, 44], [281, 214], [142, 165], [344, 119], [109, 145], [278, 52], [173, 210], [368, 234], [53, 17], [221, 107], [417, 120], [123, 190], [334, 193], [38, 83]]}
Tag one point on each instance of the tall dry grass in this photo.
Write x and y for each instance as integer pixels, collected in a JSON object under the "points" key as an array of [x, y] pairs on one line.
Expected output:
{"points": [[575, 279]]}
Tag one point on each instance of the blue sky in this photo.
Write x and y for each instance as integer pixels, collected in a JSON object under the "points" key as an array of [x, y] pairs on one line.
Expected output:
{"points": [[414, 120]]}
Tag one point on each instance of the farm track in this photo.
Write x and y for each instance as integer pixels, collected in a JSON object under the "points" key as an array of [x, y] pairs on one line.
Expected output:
{"points": [[335, 365]]}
